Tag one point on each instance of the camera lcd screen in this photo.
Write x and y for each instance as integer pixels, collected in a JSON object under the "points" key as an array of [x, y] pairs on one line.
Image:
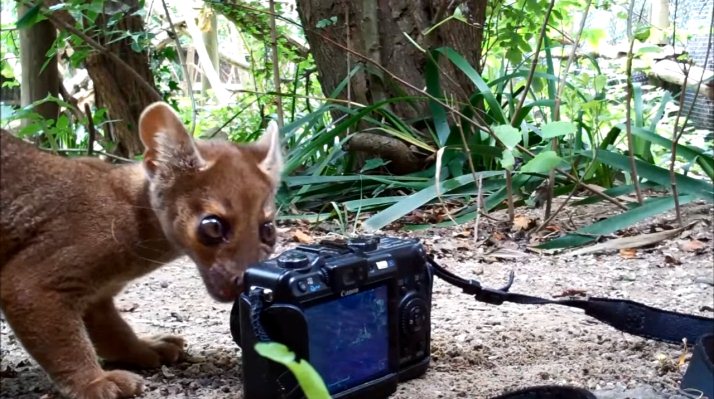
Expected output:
{"points": [[349, 338]]}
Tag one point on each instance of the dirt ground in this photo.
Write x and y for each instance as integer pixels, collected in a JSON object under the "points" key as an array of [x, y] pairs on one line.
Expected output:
{"points": [[478, 350]]}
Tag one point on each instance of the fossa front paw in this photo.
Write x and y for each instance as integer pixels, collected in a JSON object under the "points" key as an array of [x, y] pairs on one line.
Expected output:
{"points": [[169, 348], [149, 353], [113, 384]]}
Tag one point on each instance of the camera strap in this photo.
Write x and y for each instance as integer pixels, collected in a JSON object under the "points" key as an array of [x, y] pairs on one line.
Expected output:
{"points": [[625, 315]]}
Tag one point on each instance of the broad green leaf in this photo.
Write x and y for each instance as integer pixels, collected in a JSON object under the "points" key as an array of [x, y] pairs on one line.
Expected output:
{"points": [[509, 135], [420, 198], [29, 18], [507, 159], [310, 381], [651, 207], [600, 82], [542, 163], [458, 60], [614, 192], [433, 87], [642, 33], [649, 49], [366, 203], [557, 129], [685, 184], [373, 163], [690, 153], [411, 139]]}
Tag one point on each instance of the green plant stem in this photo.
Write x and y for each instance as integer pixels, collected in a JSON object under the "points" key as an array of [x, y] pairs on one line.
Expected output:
{"points": [[276, 65], [556, 110], [628, 124], [529, 81], [678, 134], [675, 139], [534, 63]]}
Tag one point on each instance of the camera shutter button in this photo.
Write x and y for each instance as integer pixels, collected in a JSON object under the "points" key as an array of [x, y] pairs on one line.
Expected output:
{"points": [[293, 260]]}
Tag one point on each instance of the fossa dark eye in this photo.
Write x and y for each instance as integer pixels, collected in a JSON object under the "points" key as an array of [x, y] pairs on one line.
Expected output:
{"points": [[267, 233], [212, 230]]}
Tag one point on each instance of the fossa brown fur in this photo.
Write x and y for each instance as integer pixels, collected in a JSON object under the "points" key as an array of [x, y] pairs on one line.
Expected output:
{"points": [[74, 232]]}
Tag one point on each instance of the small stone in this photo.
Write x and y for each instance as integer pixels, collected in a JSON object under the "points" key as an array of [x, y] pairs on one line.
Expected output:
{"points": [[165, 371]]}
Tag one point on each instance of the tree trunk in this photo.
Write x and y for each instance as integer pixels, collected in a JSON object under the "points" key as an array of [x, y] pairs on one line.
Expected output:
{"points": [[119, 92], [659, 19], [37, 83], [377, 29], [208, 23]]}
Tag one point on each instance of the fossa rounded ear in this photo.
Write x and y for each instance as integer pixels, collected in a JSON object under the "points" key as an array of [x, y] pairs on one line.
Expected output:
{"points": [[270, 153], [168, 144]]}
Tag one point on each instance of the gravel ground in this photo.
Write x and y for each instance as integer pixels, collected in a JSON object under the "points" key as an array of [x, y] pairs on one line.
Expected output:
{"points": [[479, 350]]}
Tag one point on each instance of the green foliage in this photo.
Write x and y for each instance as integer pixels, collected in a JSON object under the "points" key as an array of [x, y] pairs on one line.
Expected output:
{"points": [[310, 381], [484, 129]]}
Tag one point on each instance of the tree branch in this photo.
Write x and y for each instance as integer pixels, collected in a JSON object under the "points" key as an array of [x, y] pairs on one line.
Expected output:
{"points": [[60, 23]]}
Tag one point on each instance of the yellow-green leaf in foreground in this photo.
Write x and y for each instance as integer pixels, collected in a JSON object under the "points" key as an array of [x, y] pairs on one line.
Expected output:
{"points": [[308, 378]]}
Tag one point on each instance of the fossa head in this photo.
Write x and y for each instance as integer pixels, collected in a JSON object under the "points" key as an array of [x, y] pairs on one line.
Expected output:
{"points": [[214, 199]]}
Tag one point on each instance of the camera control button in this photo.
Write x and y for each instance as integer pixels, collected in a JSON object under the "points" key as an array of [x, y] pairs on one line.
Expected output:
{"points": [[414, 316], [302, 286], [293, 260], [364, 244]]}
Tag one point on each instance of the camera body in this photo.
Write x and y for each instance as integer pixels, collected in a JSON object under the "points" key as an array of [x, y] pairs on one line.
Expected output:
{"points": [[357, 310]]}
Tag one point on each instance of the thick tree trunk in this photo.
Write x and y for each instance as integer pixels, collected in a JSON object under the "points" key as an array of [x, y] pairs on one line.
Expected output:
{"points": [[119, 92], [37, 83], [377, 29], [379, 33]]}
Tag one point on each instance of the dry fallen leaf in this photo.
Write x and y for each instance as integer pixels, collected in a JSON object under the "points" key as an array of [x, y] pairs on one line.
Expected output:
{"points": [[693, 246], [522, 223], [628, 253], [301, 237], [497, 236]]}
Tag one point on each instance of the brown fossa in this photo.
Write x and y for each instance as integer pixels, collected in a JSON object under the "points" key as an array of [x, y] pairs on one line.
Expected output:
{"points": [[74, 232]]}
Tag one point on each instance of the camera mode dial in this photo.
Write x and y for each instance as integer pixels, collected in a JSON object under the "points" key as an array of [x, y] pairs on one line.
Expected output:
{"points": [[293, 260], [413, 315], [364, 244]]}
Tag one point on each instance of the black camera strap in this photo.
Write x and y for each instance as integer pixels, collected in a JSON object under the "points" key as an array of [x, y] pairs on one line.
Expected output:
{"points": [[625, 315]]}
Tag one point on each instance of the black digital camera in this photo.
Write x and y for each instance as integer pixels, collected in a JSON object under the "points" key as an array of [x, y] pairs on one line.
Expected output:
{"points": [[358, 310]]}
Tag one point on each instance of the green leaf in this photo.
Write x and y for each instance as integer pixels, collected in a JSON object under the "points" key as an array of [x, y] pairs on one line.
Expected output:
{"points": [[324, 23], [651, 207], [433, 87], [310, 381], [507, 159], [373, 163], [542, 163], [420, 198], [600, 82], [477, 80], [29, 18], [509, 135], [557, 129], [685, 184], [642, 33]]}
